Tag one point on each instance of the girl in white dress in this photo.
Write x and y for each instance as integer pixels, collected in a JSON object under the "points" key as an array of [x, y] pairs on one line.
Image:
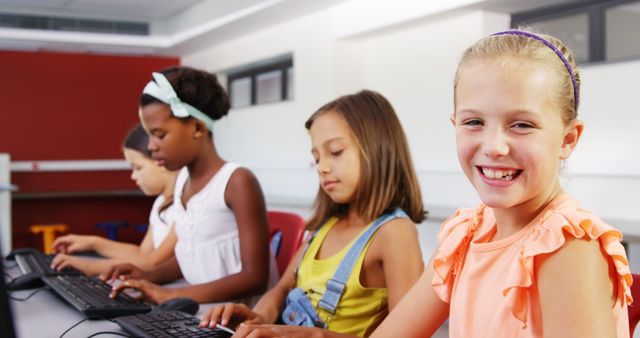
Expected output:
{"points": [[159, 241], [223, 241]]}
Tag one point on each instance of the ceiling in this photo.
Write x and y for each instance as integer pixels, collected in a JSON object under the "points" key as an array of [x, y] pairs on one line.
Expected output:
{"points": [[134, 10], [176, 26]]}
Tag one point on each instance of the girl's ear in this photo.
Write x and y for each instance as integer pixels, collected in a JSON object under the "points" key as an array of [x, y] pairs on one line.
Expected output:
{"points": [[201, 129], [570, 139]]}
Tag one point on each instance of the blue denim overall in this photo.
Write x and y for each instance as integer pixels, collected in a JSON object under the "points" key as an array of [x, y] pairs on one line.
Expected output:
{"points": [[300, 311]]}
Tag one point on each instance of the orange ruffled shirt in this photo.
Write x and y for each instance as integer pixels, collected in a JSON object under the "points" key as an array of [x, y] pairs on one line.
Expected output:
{"points": [[491, 287]]}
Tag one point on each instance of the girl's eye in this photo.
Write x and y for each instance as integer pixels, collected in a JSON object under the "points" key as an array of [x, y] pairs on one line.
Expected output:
{"points": [[474, 122], [337, 153], [522, 125]]}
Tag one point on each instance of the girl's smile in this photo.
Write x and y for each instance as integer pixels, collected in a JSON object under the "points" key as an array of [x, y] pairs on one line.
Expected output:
{"points": [[510, 134], [499, 176]]}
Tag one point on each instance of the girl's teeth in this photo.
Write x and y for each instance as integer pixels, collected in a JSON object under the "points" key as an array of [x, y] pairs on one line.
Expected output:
{"points": [[503, 175]]}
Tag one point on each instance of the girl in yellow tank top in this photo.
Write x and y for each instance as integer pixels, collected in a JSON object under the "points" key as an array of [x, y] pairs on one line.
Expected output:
{"points": [[365, 173]]}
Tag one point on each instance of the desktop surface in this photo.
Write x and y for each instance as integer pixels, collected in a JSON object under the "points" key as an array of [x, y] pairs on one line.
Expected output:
{"points": [[46, 315]]}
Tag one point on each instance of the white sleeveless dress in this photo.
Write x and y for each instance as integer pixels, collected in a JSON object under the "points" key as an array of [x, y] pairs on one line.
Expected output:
{"points": [[160, 222], [208, 246]]}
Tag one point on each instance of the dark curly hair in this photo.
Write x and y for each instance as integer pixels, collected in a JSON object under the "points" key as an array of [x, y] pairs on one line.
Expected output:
{"points": [[197, 88]]}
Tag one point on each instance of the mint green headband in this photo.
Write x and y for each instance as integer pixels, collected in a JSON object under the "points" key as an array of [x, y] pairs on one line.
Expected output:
{"points": [[162, 90]]}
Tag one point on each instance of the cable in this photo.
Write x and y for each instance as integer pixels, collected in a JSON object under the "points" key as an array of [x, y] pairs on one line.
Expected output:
{"points": [[74, 325], [111, 332], [11, 296]]}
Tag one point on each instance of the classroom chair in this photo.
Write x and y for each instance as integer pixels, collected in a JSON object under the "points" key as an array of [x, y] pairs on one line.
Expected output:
{"points": [[286, 231], [634, 309], [48, 234]]}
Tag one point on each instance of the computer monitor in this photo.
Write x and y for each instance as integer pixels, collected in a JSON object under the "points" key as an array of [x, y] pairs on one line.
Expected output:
{"points": [[6, 319]]}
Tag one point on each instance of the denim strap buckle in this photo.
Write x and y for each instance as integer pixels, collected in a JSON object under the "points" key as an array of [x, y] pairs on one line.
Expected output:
{"points": [[332, 295]]}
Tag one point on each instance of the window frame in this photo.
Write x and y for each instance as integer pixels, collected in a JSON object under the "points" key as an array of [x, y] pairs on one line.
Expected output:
{"points": [[252, 73], [596, 11]]}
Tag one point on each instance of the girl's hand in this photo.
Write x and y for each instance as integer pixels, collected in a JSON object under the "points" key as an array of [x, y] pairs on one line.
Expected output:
{"points": [[123, 272], [277, 331], [230, 315], [61, 261], [151, 293], [73, 243]]}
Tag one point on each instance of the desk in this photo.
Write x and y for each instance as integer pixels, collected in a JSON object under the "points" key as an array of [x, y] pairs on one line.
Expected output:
{"points": [[45, 315]]}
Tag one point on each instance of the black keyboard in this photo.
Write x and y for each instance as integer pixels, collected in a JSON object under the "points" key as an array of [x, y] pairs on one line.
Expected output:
{"points": [[90, 296], [38, 262], [167, 324]]}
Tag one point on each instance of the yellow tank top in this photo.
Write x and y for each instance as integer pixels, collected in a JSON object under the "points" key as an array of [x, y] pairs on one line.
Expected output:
{"points": [[360, 309]]}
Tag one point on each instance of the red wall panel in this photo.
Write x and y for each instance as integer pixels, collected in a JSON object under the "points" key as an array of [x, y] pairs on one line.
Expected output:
{"points": [[64, 106], [59, 106]]}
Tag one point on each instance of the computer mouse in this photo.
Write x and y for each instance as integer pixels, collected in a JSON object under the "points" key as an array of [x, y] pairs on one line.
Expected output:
{"points": [[183, 304], [27, 281]]}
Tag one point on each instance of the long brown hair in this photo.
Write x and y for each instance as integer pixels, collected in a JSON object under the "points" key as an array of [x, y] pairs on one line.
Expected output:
{"points": [[387, 178]]}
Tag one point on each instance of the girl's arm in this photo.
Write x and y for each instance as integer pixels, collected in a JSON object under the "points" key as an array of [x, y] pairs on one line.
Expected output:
{"points": [[576, 292], [244, 197], [271, 304], [418, 314], [145, 261], [112, 249], [268, 308], [397, 245], [106, 248], [148, 257]]}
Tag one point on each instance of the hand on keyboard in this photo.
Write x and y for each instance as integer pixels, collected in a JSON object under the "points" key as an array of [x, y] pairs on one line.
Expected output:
{"points": [[149, 292], [73, 243], [62, 261], [123, 271], [231, 315]]}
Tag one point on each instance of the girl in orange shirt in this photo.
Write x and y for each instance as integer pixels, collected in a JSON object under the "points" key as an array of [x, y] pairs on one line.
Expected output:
{"points": [[529, 262]]}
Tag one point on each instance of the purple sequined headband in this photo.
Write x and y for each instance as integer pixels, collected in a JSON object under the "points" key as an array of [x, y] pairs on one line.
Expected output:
{"points": [[560, 55]]}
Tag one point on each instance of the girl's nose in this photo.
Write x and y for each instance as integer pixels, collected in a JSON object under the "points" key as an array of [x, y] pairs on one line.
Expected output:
{"points": [[152, 146], [495, 144], [323, 167]]}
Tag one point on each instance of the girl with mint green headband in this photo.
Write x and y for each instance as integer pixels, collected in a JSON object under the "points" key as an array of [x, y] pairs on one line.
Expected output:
{"points": [[222, 246]]}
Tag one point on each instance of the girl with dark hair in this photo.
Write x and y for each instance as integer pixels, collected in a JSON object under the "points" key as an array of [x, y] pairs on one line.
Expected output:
{"points": [[160, 239], [222, 247], [364, 252]]}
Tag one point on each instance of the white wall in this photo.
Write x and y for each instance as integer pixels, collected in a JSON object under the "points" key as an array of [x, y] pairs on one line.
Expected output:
{"points": [[412, 63], [5, 204], [271, 138]]}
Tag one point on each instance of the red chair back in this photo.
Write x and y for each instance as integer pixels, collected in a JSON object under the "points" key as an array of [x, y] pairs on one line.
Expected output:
{"points": [[634, 309], [290, 228]]}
